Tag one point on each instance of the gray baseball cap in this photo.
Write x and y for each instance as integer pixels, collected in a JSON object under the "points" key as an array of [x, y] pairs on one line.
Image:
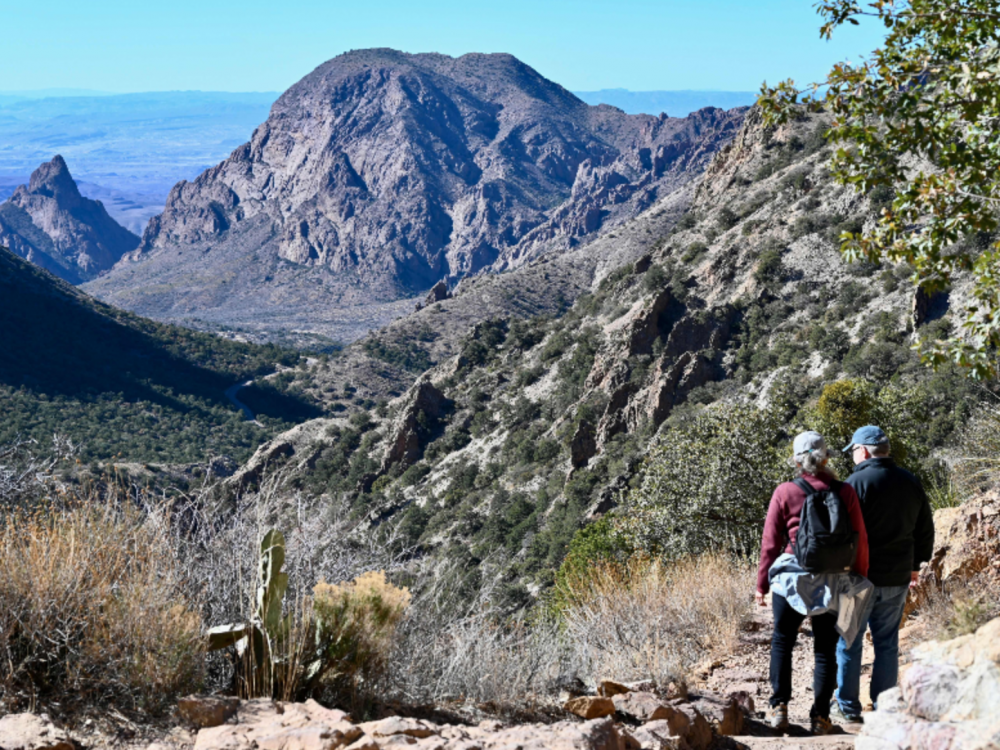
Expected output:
{"points": [[809, 442]]}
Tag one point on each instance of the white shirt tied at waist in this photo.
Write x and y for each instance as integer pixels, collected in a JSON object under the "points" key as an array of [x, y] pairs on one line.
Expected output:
{"points": [[818, 593]]}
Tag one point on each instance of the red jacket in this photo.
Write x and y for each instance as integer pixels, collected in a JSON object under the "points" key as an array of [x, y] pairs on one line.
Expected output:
{"points": [[782, 525]]}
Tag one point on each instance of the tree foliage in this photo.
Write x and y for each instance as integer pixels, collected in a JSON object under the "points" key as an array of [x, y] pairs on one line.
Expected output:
{"points": [[921, 116], [706, 485]]}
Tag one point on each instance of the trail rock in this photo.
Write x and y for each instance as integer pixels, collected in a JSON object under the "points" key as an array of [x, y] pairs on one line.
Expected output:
{"points": [[642, 706], [726, 716], [950, 698], [207, 710], [610, 688], [278, 725], [600, 734], [31, 732], [656, 735], [590, 706], [398, 725]]}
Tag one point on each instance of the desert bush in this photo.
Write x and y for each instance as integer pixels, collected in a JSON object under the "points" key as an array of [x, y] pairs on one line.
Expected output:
{"points": [[707, 483], [960, 607], [646, 619], [454, 647], [846, 405], [96, 608], [977, 466], [355, 623]]}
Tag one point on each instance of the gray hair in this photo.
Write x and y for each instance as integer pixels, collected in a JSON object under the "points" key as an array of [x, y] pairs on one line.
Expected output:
{"points": [[809, 463], [878, 450]]}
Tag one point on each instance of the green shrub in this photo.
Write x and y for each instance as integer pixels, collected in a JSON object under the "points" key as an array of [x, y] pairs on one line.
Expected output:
{"points": [[707, 483], [846, 405], [694, 252]]}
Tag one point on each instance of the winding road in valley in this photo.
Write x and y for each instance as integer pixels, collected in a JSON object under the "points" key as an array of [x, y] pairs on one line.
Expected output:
{"points": [[231, 392]]}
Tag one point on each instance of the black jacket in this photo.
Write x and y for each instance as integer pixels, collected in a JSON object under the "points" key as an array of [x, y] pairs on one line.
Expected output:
{"points": [[898, 518]]}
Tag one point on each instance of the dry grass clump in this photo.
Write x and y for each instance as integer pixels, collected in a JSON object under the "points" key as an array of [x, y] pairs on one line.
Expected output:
{"points": [[95, 608], [978, 465], [960, 607], [451, 650], [649, 619]]}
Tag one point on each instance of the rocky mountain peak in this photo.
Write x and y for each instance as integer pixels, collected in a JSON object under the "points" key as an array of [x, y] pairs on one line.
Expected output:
{"points": [[49, 223], [381, 173], [54, 180]]}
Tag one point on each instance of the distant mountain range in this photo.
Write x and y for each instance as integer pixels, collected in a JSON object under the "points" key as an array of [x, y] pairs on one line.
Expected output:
{"points": [[674, 103], [381, 173], [126, 149]]}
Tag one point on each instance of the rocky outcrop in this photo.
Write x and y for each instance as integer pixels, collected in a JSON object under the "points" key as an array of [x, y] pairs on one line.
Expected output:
{"points": [[680, 367], [967, 544], [381, 173], [438, 293], [950, 698], [420, 406], [31, 732], [272, 725], [50, 224]]}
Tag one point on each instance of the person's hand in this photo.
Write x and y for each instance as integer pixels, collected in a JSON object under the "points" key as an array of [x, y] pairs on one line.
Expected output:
{"points": [[914, 577], [759, 596]]}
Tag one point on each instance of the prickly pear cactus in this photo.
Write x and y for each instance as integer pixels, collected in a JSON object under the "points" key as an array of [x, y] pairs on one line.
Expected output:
{"points": [[273, 583]]}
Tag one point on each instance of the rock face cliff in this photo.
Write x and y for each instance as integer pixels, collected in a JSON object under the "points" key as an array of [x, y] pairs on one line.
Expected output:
{"points": [[381, 173], [50, 224]]}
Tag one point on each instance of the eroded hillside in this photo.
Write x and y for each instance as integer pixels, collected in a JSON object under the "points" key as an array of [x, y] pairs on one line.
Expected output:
{"points": [[534, 426]]}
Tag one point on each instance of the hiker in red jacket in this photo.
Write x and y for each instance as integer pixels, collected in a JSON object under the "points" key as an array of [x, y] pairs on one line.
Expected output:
{"points": [[797, 593]]}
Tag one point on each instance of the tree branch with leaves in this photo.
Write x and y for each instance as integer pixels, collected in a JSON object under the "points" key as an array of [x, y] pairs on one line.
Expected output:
{"points": [[921, 115]]}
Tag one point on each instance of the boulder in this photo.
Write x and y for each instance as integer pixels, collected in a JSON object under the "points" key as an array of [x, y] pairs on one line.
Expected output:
{"points": [[31, 732], [438, 293], [726, 715], [281, 726], [656, 736], [610, 688], [642, 706], [590, 706], [949, 698], [207, 710]]}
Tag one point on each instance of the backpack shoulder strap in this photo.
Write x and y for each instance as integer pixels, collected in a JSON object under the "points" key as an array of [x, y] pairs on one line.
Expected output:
{"points": [[803, 485]]}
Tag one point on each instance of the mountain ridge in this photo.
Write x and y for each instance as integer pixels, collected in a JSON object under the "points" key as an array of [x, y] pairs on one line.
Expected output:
{"points": [[51, 224], [381, 173]]}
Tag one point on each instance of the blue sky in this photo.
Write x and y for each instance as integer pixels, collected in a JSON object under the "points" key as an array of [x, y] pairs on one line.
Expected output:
{"points": [[264, 45]]}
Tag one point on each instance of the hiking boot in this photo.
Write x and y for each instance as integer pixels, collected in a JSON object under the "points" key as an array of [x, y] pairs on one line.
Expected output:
{"points": [[838, 714], [777, 716], [819, 725]]}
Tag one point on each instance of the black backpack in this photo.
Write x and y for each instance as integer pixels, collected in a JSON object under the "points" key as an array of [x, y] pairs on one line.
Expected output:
{"points": [[826, 542]]}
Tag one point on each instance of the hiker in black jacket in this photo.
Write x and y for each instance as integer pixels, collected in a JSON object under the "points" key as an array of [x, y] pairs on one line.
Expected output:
{"points": [[900, 529]]}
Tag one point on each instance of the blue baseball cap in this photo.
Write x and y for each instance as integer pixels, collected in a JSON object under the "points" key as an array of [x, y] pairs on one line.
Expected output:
{"points": [[867, 435]]}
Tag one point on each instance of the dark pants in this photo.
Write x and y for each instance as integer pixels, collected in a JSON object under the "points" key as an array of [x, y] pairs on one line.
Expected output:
{"points": [[825, 638]]}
